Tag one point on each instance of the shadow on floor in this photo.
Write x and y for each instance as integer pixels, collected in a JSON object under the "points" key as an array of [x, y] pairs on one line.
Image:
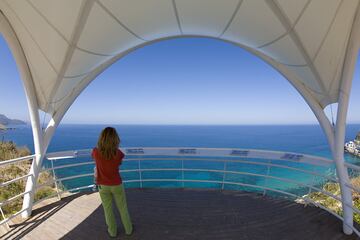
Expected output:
{"points": [[210, 214], [38, 216]]}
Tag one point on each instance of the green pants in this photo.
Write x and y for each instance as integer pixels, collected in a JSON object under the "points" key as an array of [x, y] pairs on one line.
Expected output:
{"points": [[107, 193]]}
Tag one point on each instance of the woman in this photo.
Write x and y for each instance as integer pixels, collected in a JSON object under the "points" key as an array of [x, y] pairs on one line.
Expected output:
{"points": [[108, 158]]}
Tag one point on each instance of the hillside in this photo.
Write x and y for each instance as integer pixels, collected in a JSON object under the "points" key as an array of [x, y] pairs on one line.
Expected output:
{"points": [[331, 203], [7, 121], [9, 150]]}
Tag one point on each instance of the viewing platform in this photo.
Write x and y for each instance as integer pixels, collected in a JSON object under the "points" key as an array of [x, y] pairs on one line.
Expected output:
{"points": [[61, 47], [182, 214], [188, 193]]}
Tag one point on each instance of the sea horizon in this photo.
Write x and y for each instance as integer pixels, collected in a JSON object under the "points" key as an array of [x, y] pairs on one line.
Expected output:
{"points": [[200, 124], [303, 138]]}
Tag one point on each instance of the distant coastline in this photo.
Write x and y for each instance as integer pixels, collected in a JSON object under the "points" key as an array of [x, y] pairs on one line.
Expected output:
{"points": [[8, 124], [197, 124]]}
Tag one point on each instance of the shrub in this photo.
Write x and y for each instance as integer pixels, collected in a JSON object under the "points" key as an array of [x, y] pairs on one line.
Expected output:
{"points": [[333, 204], [9, 150]]}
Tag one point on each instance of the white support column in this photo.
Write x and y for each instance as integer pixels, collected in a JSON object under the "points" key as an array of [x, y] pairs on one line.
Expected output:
{"points": [[341, 170], [36, 164], [344, 93], [20, 58], [50, 130]]}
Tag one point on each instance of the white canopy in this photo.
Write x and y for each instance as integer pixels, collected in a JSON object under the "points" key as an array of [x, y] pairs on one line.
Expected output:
{"points": [[60, 46], [68, 42]]}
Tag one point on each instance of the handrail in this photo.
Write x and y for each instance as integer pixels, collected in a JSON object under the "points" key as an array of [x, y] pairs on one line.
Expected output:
{"points": [[12, 216], [4, 184], [356, 168], [190, 151], [197, 159], [246, 153], [13, 198], [67, 166], [352, 166], [15, 180], [15, 160], [197, 170], [186, 152]]}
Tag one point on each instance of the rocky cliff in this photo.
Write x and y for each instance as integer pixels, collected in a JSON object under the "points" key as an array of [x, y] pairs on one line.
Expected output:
{"points": [[7, 121]]}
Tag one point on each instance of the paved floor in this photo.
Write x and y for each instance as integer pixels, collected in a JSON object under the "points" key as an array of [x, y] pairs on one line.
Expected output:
{"points": [[182, 214]]}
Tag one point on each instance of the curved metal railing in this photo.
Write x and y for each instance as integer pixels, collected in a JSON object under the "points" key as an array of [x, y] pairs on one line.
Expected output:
{"points": [[4, 184], [288, 174]]}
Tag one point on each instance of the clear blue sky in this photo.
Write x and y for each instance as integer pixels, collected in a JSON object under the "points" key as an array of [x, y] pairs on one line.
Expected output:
{"points": [[181, 81]]}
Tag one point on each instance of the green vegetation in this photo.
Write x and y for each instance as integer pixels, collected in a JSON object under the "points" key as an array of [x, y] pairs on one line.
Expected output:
{"points": [[331, 203], [357, 139], [9, 150]]}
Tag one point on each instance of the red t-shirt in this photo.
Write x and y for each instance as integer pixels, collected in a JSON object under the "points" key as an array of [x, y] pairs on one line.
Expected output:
{"points": [[107, 170]]}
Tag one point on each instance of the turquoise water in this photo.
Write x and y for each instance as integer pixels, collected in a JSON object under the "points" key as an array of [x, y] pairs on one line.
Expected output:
{"points": [[308, 139]]}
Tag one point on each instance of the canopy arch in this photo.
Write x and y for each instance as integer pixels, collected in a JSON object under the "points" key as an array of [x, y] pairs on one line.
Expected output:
{"points": [[61, 46], [89, 34], [293, 79]]}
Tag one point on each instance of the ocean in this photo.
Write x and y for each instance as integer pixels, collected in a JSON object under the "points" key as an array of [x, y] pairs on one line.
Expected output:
{"points": [[307, 139]]}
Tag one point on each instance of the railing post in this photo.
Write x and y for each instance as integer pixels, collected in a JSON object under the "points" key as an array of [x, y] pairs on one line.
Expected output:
{"points": [[140, 174], [224, 175], [312, 182], [54, 178], [3, 216], [267, 175], [182, 172]]}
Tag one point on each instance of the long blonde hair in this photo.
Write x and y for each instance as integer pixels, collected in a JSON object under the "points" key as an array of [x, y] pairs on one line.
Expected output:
{"points": [[108, 143]]}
